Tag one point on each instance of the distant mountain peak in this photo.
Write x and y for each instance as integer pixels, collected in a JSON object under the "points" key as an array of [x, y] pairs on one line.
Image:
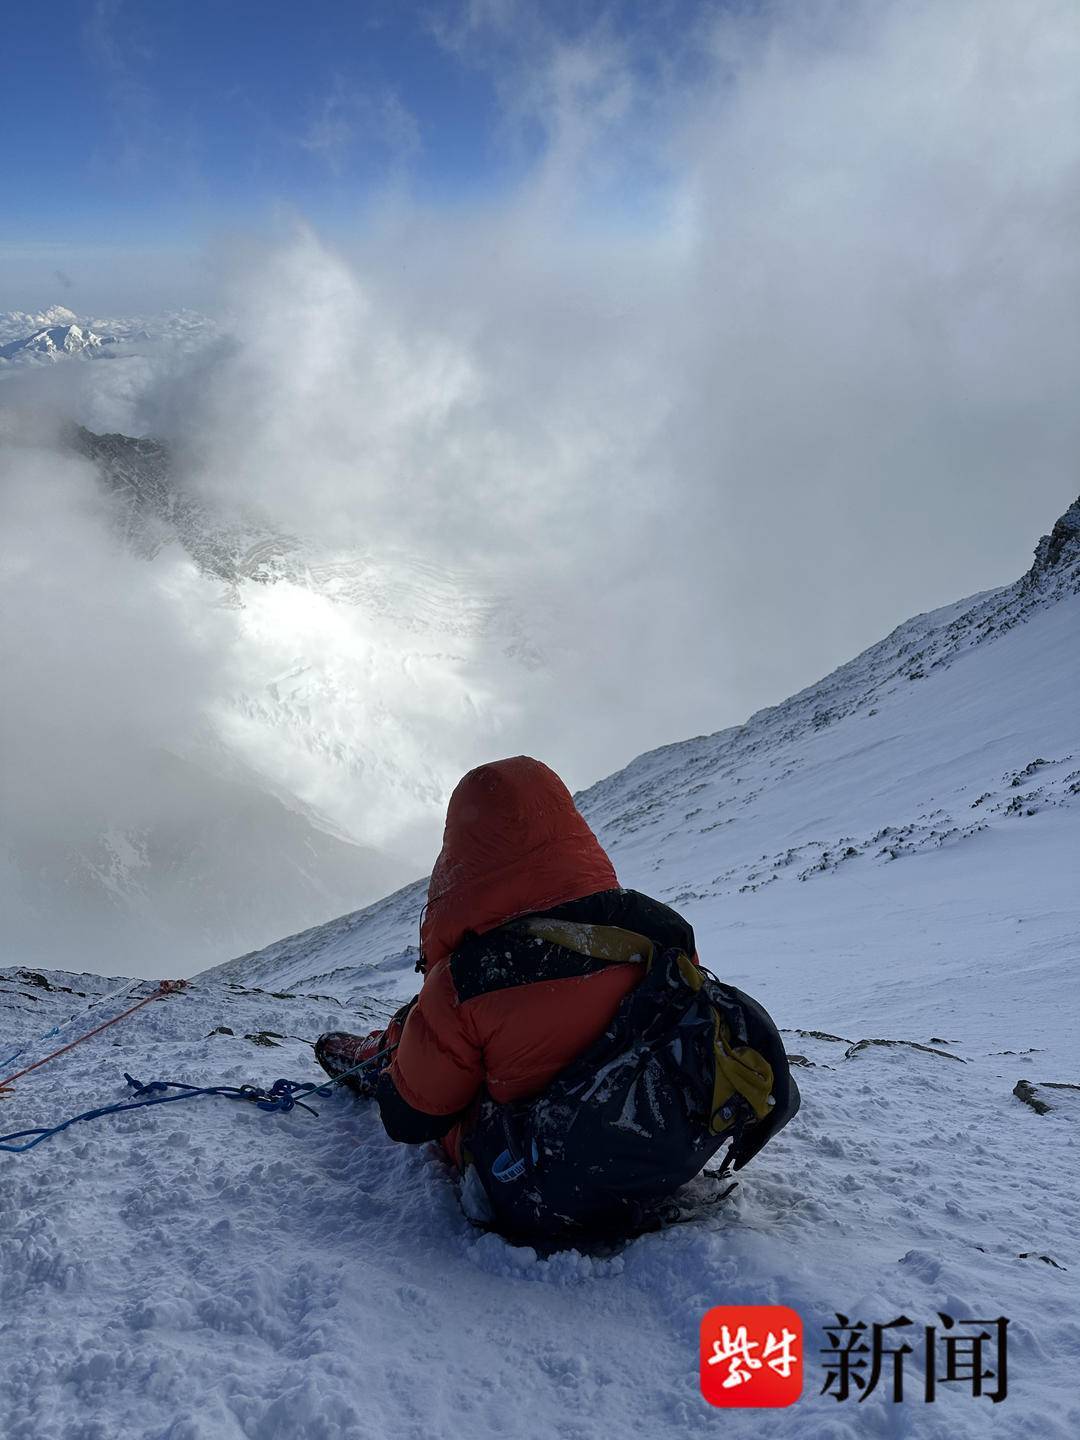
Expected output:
{"points": [[51, 341]]}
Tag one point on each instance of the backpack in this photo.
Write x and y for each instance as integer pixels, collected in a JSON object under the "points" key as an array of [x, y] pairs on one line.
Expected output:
{"points": [[686, 1065]]}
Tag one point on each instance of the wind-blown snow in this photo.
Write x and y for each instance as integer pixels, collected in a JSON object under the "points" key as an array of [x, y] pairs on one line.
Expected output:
{"points": [[891, 855]]}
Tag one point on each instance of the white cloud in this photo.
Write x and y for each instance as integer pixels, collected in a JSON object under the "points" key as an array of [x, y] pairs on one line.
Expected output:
{"points": [[107, 658], [355, 124]]}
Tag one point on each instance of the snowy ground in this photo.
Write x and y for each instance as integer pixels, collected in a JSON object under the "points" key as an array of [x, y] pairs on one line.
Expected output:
{"points": [[203, 1271]]}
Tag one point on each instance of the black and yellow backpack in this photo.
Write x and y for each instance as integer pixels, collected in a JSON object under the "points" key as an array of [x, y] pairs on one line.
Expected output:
{"points": [[687, 1065]]}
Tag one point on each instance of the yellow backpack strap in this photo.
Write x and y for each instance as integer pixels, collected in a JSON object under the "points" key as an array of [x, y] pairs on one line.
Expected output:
{"points": [[599, 942], [740, 1069]]}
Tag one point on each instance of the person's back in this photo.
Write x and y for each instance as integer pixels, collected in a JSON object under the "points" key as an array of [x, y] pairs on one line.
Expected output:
{"points": [[514, 845], [530, 950]]}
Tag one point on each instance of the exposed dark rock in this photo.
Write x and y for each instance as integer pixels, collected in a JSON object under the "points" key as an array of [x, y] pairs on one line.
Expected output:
{"points": [[1024, 1090], [31, 977], [911, 1044], [1061, 547], [265, 1037]]}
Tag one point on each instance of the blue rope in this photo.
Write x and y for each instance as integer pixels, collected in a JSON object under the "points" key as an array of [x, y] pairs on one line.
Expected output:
{"points": [[282, 1096], [40, 1041], [63, 1024]]}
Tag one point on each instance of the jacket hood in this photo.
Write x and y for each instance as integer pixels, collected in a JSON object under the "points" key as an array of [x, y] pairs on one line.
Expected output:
{"points": [[514, 843]]}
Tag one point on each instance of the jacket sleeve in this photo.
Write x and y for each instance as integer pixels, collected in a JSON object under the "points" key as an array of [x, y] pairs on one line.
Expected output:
{"points": [[438, 1067]]}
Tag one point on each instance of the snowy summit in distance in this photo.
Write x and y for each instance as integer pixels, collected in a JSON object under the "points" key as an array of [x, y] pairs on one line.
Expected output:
{"points": [[59, 336], [57, 333]]}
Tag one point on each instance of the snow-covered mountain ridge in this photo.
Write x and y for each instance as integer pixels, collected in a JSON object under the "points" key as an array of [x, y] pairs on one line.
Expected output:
{"points": [[54, 341], [763, 770]]}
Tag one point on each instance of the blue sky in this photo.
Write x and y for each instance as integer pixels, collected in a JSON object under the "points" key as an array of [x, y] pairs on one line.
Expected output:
{"points": [[184, 114], [165, 120]]}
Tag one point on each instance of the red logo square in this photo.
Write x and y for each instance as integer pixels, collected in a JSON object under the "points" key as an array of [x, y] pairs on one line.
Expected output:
{"points": [[751, 1355]]}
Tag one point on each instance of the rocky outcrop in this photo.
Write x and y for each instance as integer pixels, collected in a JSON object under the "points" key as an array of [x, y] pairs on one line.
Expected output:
{"points": [[1058, 553]]}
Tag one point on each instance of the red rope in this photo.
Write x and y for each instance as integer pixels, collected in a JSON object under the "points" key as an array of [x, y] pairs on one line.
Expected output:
{"points": [[166, 987]]}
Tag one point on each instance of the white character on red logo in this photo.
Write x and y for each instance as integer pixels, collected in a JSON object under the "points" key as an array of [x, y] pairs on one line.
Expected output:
{"points": [[737, 1353]]}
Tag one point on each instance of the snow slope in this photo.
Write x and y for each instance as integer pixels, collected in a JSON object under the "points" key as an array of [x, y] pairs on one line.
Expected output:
{"points": [[891, 855]]}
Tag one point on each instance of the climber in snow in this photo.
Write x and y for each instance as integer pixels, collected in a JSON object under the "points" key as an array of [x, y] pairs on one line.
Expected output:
{"points": [[566, 1047]]}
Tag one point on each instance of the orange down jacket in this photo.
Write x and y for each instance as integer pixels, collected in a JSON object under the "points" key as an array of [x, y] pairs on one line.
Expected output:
{"points": [[514, 844]]}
